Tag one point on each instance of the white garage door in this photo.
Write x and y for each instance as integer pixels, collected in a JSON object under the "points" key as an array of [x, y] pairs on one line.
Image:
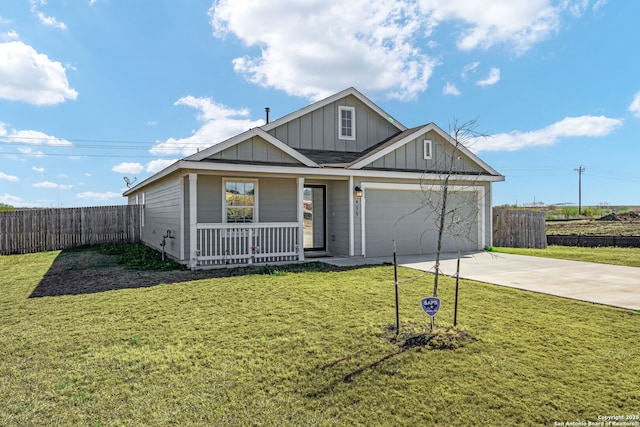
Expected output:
{"points": [[409, 218]]}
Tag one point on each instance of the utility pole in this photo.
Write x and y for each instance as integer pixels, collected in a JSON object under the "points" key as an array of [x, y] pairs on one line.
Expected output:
{"points": [[580, 170]]}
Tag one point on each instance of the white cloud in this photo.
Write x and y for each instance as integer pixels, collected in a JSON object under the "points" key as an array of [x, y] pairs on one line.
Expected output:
{"points": [[316, 48], [49, 21], [599, 4], [159, 164], [634, 107], [9, 199], [491, 79], [219, 123], [30, 137], [9, 35], [583, 126], [29, 76], [518, 24], [469, 68], [48, 184], [10, 178], [87, 174], [451, 89], [98, 196], [128, 167], [30, 152], [37, 169]]}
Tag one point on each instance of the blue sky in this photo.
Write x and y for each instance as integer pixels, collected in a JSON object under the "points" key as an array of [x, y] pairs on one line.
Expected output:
{"points": [[95, 90]]}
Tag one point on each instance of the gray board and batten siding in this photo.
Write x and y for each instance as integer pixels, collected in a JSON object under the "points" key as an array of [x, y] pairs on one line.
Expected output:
{"points": [[318, 129], [255, 149], [410, 157]]}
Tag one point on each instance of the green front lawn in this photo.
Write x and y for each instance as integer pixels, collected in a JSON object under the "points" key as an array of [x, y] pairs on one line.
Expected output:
{"points": [[301, 349]]}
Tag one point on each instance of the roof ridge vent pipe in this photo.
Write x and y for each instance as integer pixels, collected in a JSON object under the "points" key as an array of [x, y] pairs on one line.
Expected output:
{"points": [[266, 110]]}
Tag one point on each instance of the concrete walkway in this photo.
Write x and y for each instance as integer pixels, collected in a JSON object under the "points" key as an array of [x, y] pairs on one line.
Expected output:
{"points": [[598, 283]]}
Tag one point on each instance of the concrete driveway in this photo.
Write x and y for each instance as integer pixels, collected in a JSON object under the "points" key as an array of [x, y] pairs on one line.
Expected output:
{"points": [[586, 281], [598, 283]]}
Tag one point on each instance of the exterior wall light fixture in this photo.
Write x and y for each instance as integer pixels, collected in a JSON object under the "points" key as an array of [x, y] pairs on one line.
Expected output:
{"points": [[358, 191]]}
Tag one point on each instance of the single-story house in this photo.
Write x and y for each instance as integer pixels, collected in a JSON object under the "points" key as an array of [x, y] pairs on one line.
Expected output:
{"points": [[340, 177]]}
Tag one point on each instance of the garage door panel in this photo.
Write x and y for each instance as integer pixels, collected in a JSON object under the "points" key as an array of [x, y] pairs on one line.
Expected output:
{"points": [[405, 217]]}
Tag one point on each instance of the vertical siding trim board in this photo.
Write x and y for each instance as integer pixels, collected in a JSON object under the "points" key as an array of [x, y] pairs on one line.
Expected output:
{"points": [[418, 187], [300, 201], [181, 226], [193, 219], [351, 190]]}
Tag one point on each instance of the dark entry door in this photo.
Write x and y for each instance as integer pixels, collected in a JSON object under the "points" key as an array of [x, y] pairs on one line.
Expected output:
{"points": [[315, 201]]}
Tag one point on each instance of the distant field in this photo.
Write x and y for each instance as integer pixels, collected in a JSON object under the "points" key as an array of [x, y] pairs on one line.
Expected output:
{"points": [[593, 228]]}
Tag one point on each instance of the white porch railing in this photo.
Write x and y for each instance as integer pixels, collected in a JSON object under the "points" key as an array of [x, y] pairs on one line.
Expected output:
{"points": [[224, 244]]}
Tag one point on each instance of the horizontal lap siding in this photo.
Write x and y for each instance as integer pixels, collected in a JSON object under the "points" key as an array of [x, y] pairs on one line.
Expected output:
{"points": [[338, 218], [162, 213], [277, 200]]}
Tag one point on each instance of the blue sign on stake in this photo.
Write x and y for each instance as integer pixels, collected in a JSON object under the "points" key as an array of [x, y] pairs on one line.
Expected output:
{"points": [[430, 305]]}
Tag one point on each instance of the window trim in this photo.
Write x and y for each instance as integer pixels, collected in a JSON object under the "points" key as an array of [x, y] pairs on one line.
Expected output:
{"points": [[255, 198], [428, 149], [352, 110]]}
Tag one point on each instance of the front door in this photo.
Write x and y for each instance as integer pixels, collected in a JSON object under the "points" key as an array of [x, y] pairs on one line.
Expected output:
{"points": [[315, 201]]}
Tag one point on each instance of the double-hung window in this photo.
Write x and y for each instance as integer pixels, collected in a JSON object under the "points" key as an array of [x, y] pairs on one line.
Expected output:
{"points": [[240, 202], [346, 122]]}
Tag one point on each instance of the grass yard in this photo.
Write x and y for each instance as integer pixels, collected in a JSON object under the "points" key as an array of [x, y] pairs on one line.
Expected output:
{"points": [[629, 257], [304, 349]]}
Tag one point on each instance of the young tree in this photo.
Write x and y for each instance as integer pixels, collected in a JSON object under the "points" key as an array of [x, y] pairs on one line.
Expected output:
{"points": [[453, 216]]}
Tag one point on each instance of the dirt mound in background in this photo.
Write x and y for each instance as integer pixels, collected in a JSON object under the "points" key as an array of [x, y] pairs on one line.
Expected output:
{"points": [[631, 216]]}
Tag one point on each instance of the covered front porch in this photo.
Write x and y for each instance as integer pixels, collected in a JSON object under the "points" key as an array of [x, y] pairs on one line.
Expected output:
{"points": [[264, 219]]}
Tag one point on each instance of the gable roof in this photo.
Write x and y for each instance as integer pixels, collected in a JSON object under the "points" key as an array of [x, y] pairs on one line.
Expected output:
{"points": [[317, 105], [214, 149], [403, 138]]}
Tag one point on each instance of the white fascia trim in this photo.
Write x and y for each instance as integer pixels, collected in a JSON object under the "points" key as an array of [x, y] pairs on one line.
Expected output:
{"points": [[417, 134], [419, 187], [250, 134], [164, 172], [329, 172], [392, 147], [186, 165], [329, 100]]}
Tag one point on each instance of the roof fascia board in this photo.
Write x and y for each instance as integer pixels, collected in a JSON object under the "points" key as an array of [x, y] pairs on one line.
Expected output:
{"points": [[327, 172], [214, 149], [155, 177], [430, 127], [316, 105], [182, 165]]}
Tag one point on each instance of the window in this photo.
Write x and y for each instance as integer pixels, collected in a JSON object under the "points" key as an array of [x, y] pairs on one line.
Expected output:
{"points": [[427, 149], [240, 201], [347, 123]]}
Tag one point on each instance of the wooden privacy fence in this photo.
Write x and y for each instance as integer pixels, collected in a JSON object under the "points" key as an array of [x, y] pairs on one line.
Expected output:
{"points": [[519, 229], [39, 230]]}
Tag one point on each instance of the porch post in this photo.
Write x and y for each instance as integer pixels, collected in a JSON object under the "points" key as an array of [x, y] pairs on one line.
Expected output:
{"points": [[193, 219], [351, 216], [300, 182]]}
